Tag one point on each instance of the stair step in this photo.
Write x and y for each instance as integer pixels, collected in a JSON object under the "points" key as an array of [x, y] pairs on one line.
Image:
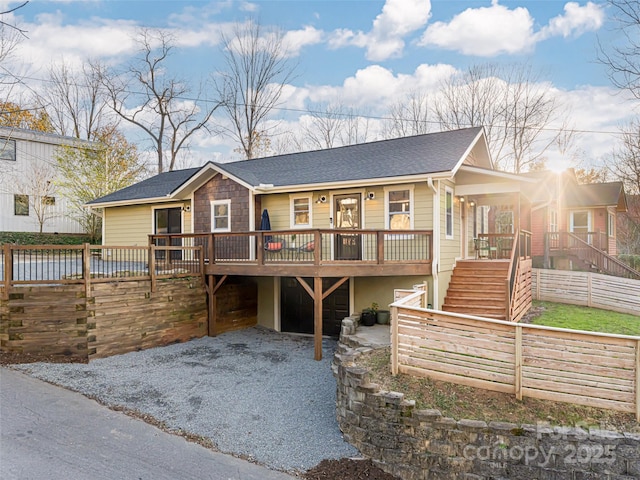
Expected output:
{"points": [[498, 303], [472, 296], [492, 312], [485, 284]]}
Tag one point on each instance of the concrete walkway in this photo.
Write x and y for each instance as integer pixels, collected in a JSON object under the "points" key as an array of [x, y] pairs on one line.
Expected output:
{"points": [[376, 336], [53, 433]]}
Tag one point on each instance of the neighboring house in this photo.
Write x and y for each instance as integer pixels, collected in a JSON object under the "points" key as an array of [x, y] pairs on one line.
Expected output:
{"points": [[348, 224], [29, 198], [574, 225]]}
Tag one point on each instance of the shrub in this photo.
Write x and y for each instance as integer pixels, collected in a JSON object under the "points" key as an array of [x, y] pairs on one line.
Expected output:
{"points": [[32, 238], [632, 260]]}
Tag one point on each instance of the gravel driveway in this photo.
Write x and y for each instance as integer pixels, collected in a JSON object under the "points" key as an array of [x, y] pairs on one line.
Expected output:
{"points": [[254, 393]]}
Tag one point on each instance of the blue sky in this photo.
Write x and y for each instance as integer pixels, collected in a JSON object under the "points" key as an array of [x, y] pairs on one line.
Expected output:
{"points": [[365, 53]]}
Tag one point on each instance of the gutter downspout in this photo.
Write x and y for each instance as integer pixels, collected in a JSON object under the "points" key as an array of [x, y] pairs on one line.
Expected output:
{"points": [[435, 261]]}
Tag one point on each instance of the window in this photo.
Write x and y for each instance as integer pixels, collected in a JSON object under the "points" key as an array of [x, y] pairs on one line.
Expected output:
{"points": [[7, 149], [553, 221], [399, 209], [221, 216], [504, 222], [580, 222], [448, 214], [301, 211], [611, 225], [21, 205]]}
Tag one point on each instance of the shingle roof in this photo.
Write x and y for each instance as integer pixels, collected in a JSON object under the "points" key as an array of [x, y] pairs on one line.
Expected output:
{"points": [[420, 154], [160, 185], [594, 194], [417, 155]]}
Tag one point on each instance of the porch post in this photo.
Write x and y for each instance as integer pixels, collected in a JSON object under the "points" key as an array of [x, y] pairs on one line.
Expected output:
{"points": [[317, 318]]}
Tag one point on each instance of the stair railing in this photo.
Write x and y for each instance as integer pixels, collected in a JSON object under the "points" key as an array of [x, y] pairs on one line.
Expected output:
{"points": [[521, 249], [603, 261]]}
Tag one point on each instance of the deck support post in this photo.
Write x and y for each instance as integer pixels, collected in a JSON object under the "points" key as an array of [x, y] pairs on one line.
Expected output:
{"points": [[317, 318], [212, 307]]}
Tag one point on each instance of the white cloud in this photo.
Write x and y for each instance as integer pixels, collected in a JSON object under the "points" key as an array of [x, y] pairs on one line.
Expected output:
{"points": [[496, 30], [385, 40], [49, 40], [295, 40], [485, 31], [575, 21], [374, 87]]}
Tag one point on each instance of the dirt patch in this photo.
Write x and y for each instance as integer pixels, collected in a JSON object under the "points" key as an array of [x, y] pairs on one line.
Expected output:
{"points": [[347, 469], [460, 401], [10, 358]]}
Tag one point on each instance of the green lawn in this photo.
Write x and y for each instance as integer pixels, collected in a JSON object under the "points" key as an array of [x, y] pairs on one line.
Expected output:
{"points": [[585, 318]]}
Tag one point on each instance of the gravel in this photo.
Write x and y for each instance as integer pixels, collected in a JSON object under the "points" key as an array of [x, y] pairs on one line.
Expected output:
{"points": [[254, 393]]}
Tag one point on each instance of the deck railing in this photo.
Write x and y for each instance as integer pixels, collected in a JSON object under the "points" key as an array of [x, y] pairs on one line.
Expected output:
{"points": [[497, 245], [568, 240], [319, 247], [69, 264]]}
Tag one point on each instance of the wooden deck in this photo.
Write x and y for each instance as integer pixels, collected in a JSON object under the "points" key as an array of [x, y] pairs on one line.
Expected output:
{"points": [[311, 253]]}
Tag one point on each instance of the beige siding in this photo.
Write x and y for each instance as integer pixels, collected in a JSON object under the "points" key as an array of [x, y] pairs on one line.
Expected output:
{"points": [[423, 205], [279, 208], [266, 301], [132, 225], [449, 249], [380, 290]]}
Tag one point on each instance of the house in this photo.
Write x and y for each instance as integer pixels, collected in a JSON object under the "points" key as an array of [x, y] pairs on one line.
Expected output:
{"points": [[574, 225], [347, 225], [29, 199]]}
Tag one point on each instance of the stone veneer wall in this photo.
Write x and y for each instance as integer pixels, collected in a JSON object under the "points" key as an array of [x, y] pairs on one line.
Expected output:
{"points": [[423, 444]]}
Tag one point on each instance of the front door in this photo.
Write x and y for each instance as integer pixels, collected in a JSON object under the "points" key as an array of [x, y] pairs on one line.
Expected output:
{"points": [[168, 220], [296, 306], [347, 214]]}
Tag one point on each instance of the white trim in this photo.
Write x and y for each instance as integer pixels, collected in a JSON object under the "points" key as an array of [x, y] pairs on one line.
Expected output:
{"points": [[292, 199], [387, 223], [572, 224], [226, 202], [333, 194], [449, 236], [164, 207], [351, 184], [467, 152]]}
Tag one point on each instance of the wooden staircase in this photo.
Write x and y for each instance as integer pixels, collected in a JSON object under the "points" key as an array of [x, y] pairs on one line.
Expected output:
{"points": [[478, 287]]}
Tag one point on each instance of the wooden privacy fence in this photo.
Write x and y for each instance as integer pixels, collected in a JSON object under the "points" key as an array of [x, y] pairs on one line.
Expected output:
{"points": [[589, 289], [86, 264], [585, 368]]}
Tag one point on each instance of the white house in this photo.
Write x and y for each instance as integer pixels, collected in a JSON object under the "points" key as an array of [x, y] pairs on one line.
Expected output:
{"points": [[29, 198]]}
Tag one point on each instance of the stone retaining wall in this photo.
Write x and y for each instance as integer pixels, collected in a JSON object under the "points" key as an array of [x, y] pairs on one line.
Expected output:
{"points": [[423, 444]]}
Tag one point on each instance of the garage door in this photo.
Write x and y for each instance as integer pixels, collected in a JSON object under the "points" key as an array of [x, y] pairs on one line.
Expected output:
{"points": [[296, 306]]}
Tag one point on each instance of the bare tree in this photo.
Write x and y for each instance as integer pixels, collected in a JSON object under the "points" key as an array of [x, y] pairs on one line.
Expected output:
{"points": [[165, 107], [355, 128], [473, 98], [322, 127], [251, 86], [516, 110], [624, 164], [10, 37], [75, 101], [623, 59], [38, 190], [409, 116]]}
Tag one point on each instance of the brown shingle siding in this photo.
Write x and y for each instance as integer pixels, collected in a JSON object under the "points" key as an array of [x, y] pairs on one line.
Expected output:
{"points": [[220, 188]]}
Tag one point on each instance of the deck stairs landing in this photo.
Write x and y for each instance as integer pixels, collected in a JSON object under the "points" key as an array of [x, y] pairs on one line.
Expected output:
{"points": [[478, 287]]}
